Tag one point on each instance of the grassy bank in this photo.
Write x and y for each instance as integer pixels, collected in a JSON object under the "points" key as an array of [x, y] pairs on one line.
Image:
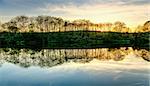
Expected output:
{"points": [[74, 40]]}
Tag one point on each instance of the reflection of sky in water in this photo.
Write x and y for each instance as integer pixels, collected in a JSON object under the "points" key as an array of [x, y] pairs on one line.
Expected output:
{"points": [[95, 73]]}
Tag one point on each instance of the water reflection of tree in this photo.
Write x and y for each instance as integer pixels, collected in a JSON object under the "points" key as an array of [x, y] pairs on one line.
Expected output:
{"points": [[50, 57]]}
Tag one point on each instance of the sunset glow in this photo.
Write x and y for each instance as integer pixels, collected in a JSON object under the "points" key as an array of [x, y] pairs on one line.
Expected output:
{"points": [[133, 12], [74, 42]]}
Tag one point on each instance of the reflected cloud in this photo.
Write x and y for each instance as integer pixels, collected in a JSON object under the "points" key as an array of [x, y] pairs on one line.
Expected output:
{"points": [[95, 73]]}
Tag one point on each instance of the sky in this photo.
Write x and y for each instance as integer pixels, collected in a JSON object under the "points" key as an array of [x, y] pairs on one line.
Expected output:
{"points": [[132, 12]]}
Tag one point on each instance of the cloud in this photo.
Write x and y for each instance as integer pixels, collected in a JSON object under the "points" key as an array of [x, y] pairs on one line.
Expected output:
{"points": [[36, 3], [136, 2], [110, 12], [133, 11]]}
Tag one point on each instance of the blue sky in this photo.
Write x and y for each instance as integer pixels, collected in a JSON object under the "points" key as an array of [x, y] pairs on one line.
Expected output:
{"points": [[131, 11]]}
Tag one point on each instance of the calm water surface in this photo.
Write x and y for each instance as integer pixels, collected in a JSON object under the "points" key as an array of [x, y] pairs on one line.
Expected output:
{"points": [[95, 73]]}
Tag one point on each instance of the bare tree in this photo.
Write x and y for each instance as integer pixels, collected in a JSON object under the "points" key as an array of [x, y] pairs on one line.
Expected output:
{"points": [[120, 27], [144, 28]]}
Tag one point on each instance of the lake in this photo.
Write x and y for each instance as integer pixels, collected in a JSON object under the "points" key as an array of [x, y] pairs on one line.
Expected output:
{"points": [[131, 71]]}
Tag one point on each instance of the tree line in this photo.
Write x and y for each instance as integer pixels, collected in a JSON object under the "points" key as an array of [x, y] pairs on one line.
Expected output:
{"points": [[55, 24]]}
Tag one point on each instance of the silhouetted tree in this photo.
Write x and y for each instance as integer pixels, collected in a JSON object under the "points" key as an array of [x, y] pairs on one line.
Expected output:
{"points": [[13, 29]]}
